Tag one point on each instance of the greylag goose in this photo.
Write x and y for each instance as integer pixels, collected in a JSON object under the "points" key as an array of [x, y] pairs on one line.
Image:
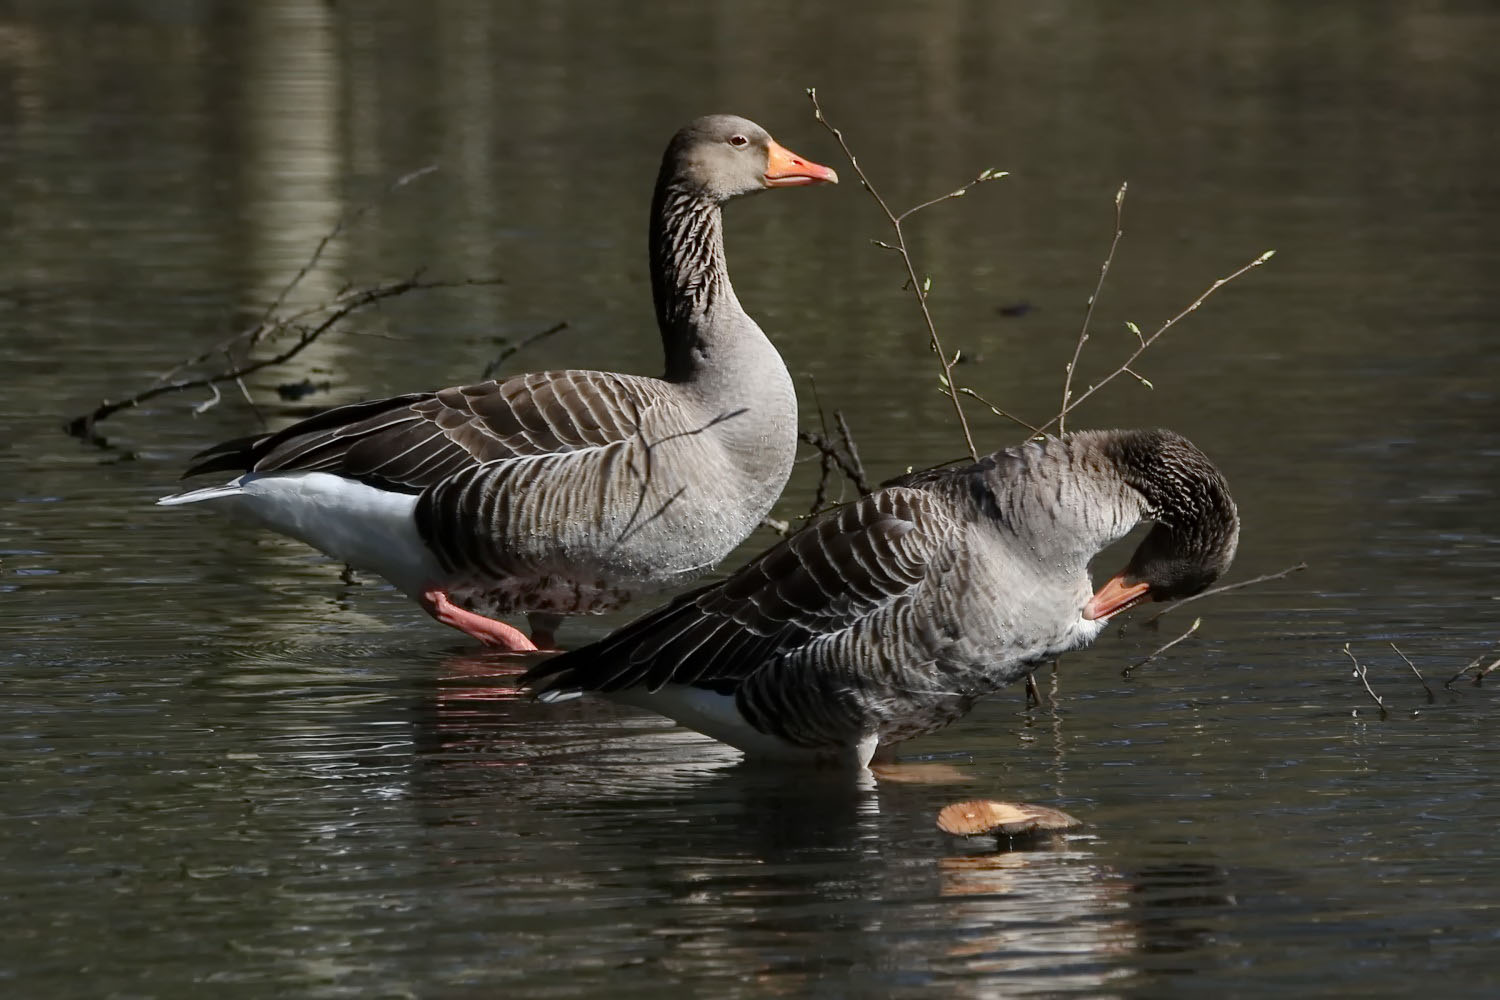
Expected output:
{"points": [[560, 492], [891, 616]]}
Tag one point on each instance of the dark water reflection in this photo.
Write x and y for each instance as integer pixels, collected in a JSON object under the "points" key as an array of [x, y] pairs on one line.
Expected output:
{"points": [[226, 770]]}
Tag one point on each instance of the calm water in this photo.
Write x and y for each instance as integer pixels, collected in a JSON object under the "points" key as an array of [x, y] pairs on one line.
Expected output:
{"points": [[227, 770]]}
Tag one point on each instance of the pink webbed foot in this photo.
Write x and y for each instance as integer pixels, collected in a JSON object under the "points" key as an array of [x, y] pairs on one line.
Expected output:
{"points": [[495, 634]]}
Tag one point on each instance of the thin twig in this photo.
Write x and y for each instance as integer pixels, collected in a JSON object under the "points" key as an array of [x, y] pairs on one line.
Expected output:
{"points": [[1480, 675], [818, 441], [267, 325], [519, 345], [1220, 590], [337, 309], [1430, 696], [1141, 663], [919, 287], [853, 451], [997, 411], [1148, 341], [1083, 333], [1448, 684], [987, 174], [343, 222], [825, 459], [1361, 673]]}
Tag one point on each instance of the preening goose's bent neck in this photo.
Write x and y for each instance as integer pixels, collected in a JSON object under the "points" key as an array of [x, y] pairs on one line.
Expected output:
{"points": [[1061, 496], [695, 303]]}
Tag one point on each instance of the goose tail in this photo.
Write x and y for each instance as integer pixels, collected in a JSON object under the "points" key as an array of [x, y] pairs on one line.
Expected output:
{"points": [[206, 493]]}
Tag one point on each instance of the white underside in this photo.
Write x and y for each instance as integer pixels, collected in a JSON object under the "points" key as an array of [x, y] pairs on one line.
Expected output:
{"points": [[368, 528], [716, 715]]}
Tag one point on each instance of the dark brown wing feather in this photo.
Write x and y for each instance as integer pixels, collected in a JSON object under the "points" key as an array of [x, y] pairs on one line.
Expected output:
{"points": [[414, 441], [844, 566]]}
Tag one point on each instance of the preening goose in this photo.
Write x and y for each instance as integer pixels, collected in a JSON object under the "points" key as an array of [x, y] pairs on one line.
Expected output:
{"points": [[560, 492], [889, 617]]}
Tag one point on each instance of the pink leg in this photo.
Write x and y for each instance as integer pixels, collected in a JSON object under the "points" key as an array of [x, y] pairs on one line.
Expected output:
{"points": [[486, 630]]}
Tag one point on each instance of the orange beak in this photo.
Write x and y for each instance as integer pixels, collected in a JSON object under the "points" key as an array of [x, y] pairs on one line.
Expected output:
{"points": [[1115, 596], [785, 168]]}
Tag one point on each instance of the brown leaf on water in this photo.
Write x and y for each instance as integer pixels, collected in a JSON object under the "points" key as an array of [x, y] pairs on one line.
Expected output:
{"points": [[986, 816]]}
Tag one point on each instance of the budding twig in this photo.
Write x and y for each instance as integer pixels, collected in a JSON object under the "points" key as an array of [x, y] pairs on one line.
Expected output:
{"points": [[1148, 341], [920, 287], [999, 412], [1083, 333], [1141, 663]]}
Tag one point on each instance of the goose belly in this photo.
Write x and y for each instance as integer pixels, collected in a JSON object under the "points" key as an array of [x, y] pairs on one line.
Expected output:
{"points": [[718, 716], [368, 528]]}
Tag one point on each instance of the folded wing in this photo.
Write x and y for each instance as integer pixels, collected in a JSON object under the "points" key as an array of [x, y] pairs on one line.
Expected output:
{"points": [[842, 569], [408, 443]]}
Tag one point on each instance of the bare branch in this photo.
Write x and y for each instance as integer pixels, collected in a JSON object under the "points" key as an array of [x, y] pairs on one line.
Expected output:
{"points": [[855, 474], [1141, 663], [852, 449], [1430, 696], [520, 345], [1222, 590], [1362, 674], [1479, 676], [336, 309], [343, 222], [1448, 684], [1148, 341], [919, 287], [1083, 333], [825, 459]]}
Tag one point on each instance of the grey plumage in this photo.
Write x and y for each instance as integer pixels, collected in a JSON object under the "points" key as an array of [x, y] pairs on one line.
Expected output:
{"points": [[889, 617], [572, 491]]}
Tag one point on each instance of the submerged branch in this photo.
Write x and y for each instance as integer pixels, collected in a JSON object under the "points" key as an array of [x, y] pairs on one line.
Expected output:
{"points": [[1425, 686], [1362, 673]]}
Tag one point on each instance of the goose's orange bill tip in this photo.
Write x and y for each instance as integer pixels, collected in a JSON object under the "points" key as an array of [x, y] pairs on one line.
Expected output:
{"points": [[1114, 597], [785, 168]]}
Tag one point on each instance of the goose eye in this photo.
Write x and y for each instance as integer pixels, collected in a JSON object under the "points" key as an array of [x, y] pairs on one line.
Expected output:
{"points": [[738, 140]]}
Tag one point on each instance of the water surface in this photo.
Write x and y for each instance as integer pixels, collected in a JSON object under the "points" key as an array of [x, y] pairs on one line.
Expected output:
{"points": [[227, 769]]}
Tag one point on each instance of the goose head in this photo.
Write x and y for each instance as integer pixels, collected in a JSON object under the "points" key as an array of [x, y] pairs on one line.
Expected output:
{"points": [[1197, 527], [725, 156]]}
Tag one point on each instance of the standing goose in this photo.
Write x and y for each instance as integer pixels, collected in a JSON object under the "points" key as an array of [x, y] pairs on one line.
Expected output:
{"points": [[891, 616], [560, 492]]}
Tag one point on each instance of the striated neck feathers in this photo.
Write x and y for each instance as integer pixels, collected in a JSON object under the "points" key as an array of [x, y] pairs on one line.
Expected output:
{"points": [[689, 277]]}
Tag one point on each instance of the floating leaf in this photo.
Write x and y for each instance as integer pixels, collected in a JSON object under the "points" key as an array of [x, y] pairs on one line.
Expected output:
{"points": [[986, 816]]}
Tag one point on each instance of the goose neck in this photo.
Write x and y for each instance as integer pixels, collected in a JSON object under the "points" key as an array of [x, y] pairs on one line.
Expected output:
{"points": [[695, 302], [1059, 498]]}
